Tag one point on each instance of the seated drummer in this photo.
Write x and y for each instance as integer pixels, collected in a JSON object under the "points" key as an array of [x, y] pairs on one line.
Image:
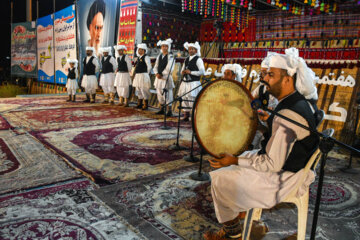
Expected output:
{"points": [[231, 72], [263, 178]]}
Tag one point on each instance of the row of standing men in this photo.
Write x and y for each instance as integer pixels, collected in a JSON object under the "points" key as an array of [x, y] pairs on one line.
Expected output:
{"points": [[118, 75]]}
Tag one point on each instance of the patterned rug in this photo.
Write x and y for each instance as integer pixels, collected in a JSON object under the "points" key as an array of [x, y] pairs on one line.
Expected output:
{"points": [[79, 116], [172, 206], [121, 151], [64, 211], [4, 124], [26, 163]]}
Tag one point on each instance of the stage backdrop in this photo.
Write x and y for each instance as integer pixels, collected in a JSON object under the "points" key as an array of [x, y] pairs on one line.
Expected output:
{"points": [[45, 52], [96, 19], [65, 41], [23, 49], [127, 25]]}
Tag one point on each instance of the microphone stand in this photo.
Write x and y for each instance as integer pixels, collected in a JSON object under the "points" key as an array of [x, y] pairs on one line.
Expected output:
{"points": [[165, 91], [326, 145]]}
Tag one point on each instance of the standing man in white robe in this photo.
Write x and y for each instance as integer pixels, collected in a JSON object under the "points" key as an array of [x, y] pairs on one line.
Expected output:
{"points": [[192, 69], [107, 76], [122, 79], [163, 69], [72, 79], [142, 81], [263, 178], [89, 81], [231, 72]]}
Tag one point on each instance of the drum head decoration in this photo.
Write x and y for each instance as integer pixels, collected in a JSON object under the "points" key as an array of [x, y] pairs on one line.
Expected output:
{"points": [[223, 119]]}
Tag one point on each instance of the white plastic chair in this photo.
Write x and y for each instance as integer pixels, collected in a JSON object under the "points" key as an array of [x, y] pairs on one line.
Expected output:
{"points": [[301, 202]]}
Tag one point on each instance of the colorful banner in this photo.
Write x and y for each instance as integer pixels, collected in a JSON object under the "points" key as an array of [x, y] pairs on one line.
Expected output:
{"points": [[96, 24], [45, 52], [127, 25], [65, 41], [23, 49]]}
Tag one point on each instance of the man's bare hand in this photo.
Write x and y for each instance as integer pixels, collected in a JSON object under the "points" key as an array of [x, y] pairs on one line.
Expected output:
{"points": [[225, 160], [263, 115], [187, 71], [159, 76]]}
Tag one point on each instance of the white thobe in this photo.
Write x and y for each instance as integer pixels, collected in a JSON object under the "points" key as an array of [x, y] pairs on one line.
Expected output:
{"points": [[90, 82], [258, 181], [188, 86], [107, 80], [164, 82], [72, 84], [142, 81], [123, 79]]}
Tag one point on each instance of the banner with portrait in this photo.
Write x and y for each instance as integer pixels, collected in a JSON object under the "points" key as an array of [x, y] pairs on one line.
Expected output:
{"points": [[65, 41], [127, 25], [23, 49], [45, 51], [96, 24]]}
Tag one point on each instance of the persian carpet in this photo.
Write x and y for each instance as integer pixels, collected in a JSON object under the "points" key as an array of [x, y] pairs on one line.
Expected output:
{"points": [[25, 163], [121, 151], [60, 118], [63, 211], [4, 124], [172, 206]]}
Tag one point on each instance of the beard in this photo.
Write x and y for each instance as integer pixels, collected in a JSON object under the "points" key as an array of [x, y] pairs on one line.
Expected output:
{"points": [[275, 89]]}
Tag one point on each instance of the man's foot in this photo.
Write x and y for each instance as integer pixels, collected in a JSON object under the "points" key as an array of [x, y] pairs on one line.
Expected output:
{"points": [[69, 99], [220, 235], [186, 117], [161, 111]]}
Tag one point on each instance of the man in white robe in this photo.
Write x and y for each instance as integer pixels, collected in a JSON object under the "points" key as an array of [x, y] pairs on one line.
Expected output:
{"points": [[107, 76], [163, 69], [89, 81], [230, 72], [122, 79], [263, 178]]}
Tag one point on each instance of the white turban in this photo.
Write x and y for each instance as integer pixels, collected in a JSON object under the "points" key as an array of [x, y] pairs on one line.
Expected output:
{"points": [[265, 62], [293, 64], [117, 48], [106, 49], [194, 45], [91, 49], [235, 68], [142, 46], [167, 42], [74, 61]]}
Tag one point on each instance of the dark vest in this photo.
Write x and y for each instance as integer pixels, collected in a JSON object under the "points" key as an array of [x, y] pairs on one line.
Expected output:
{"points": [[89, 67], [71, 74], [191, 65], [141, 66], [107, 67], [163, 61], [122, 65], [303, 149]]}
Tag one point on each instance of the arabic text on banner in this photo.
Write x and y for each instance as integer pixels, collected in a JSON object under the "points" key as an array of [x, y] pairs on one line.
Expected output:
{"points": [[127, 25]]}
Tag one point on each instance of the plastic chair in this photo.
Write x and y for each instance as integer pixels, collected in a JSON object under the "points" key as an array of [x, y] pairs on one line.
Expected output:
{"points": [[301, 202]]}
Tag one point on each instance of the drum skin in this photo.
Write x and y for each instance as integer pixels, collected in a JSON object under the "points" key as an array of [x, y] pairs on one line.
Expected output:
{"points": [[223, 119]]}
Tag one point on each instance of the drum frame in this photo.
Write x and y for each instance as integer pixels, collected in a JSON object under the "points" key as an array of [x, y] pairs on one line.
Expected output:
{"points": [[193, 116]]}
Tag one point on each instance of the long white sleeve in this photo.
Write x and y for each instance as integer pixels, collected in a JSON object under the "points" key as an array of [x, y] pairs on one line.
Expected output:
{"points": [[148, 64], [128, 63], [201, 67], [76, 73], [114, 63], [156, 65], [169, 65], [284, 135], [97, 65]]}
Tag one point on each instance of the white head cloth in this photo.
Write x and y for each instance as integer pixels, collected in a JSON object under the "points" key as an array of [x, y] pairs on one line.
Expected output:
{"points": [[74, 61], [106, 49], [117, 48], [235, 68], [91, 49], [142, 46], [167, 42], [265, 62], [194, 45], [293, 64]]}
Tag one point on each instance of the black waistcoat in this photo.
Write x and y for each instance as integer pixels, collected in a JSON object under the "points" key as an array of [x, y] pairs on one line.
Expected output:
{"points": [[191, 65], [303, 149], [89, 67], [122, 65], [141, 66], [163, 61], [71, 74], [107, 67]]}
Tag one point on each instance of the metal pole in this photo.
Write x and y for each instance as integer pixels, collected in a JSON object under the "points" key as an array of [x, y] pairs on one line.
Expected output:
{"points": [[54, 45], [28, 10]]}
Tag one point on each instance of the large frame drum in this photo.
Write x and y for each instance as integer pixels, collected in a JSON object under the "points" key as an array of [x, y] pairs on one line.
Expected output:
{"points": [[223, 119]]}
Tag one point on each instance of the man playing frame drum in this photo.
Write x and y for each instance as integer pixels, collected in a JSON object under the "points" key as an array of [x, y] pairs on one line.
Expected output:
{"points": [[262, 178]]}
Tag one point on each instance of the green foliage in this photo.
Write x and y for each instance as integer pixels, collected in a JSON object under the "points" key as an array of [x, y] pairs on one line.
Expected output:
{"points": [[10, 90]]}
